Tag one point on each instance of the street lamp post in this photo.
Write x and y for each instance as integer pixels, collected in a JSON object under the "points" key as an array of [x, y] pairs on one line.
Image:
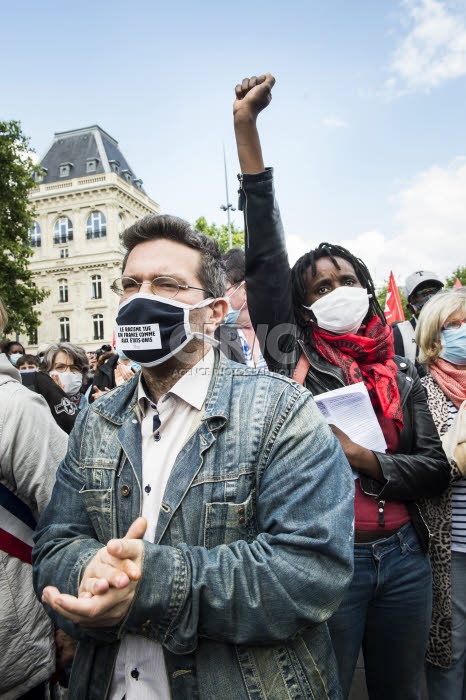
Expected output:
{"points": [[226, 207]]}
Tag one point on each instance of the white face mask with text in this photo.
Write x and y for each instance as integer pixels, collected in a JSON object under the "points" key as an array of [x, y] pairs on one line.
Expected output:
{"points": [[341, 311]]}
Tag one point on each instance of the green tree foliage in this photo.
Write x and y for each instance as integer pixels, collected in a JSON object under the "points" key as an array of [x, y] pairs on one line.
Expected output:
{"points": [[382, 295], [459, 273], [220, 233], [17, 172]]}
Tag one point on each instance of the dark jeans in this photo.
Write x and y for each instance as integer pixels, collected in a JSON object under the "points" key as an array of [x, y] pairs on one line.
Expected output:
{"points": [[387, 610]]}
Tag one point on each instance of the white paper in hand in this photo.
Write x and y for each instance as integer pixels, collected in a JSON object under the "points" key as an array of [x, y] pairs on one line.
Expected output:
{"points": [[350, 409]]}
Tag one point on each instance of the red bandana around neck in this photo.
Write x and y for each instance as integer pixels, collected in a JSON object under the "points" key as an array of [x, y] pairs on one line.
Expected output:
{"points": [[366, 358]]}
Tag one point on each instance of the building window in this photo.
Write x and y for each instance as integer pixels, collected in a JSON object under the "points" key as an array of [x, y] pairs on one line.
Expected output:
{"points": [[121, 223], [96, 225], [62, 290], [115, 166], [65, 169], [64, 329], [34, 235], [40, 177], [127, 175], [138, 184], [96, 287], [63, 252], [98, 321], [91, 165], [63, 230], [32, 339]]}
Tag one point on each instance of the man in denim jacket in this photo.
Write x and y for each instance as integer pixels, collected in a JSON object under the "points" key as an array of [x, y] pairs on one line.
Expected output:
{"points": [[244, 550]]}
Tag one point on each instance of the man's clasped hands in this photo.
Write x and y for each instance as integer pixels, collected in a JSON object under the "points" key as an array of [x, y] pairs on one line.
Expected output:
{"points": [[108, 583]]}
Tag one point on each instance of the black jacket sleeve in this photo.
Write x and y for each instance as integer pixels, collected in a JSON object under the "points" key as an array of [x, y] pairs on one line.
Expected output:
{"points": [[419, 469], [63, 410], [268, 274]]}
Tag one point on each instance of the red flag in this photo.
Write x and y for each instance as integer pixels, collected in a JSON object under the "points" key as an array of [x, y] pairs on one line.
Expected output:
{"points": [[393, 308], [457, 284]]}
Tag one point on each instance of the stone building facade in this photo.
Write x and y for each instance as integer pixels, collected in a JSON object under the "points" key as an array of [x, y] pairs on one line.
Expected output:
{"points": [[87, 196]]}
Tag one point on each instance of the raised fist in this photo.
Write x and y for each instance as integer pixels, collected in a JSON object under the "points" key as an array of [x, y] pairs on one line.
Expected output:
{"points": [[253, 95]]}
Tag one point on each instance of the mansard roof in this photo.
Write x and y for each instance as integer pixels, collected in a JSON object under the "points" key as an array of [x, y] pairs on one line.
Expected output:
{"points": [[84, 152]]}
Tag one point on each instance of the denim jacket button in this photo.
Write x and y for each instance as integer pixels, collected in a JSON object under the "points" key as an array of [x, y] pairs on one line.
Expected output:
{"points": [[241, 521], [240, 511], [125, 491]]}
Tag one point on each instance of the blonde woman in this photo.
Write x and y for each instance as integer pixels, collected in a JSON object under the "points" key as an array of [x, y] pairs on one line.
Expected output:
{"points": [[441, 336]]}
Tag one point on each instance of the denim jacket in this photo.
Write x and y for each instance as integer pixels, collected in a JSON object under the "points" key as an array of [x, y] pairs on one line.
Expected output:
{"points": [[253, 548]]}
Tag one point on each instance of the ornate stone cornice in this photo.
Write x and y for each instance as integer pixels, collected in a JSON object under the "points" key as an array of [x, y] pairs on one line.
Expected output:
{"points": [[78, 189]]}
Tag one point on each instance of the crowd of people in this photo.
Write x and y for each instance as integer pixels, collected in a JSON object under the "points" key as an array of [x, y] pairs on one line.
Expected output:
{"points": [[199, 526]]}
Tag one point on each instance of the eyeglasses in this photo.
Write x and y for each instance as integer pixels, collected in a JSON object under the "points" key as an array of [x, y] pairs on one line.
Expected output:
{"points": [[67, 368], [453, 325], [161, 286]]}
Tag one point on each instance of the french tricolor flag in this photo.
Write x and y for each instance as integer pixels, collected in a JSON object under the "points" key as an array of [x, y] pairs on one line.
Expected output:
{"points": [[17, 525]]}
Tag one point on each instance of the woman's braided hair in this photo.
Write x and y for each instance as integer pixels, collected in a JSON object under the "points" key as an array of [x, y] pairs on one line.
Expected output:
{"points": [[332, 251]]}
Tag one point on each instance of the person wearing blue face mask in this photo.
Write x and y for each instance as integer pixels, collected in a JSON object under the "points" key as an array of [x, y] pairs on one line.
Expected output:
{"points": [[126, 362], [125, 369], [236, 334], [441, 337], [134, 366], [454, 342], [13, 350]]}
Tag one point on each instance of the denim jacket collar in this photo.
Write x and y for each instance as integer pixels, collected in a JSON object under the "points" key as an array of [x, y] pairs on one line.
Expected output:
{"points": [[121, 402]]}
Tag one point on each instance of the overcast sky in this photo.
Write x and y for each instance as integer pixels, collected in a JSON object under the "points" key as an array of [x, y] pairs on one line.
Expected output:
{"points": [[366, 130]]}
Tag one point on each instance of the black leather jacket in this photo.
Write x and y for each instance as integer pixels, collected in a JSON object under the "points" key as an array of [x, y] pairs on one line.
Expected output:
{"points": [[419, 469]]}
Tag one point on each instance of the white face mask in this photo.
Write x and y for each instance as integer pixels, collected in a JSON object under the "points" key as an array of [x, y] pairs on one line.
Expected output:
{"points": [[71, 382], [341, 311]]}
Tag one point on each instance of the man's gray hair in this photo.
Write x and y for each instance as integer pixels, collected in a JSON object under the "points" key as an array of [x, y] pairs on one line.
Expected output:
{"points": [[211, 272]]}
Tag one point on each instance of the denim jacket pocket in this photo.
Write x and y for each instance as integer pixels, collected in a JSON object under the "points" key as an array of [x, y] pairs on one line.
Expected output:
{"points": [[228, 522], [98, 504]]}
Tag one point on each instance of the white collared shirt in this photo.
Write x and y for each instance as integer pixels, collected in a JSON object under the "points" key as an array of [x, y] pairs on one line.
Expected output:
{"points": [[140, 668]]}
